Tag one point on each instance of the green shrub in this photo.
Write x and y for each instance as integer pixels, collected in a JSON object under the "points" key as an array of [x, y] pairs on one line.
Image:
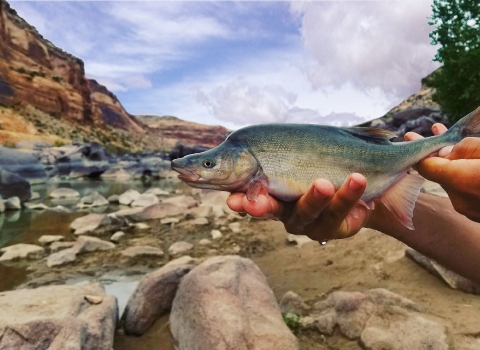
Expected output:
{"points": [[9, 144], [292, 320], [57, 79], [58, 143]]}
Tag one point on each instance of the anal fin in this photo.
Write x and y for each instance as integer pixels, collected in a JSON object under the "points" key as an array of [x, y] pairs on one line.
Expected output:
{"points": [[401, 197]]}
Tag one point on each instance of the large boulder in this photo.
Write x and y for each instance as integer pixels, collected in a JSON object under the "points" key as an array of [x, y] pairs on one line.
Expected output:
{"points": [[226, 303], [153, 297], [12, 185], [23, 164], [97, 223], [64, 192], [87, 160], [57, 318]]}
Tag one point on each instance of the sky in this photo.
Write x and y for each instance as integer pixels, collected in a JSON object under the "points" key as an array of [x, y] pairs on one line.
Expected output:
{"points": [[247, 62]]}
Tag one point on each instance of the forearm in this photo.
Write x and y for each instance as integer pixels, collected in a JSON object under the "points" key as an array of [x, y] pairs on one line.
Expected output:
{"points": [[440, 233]]}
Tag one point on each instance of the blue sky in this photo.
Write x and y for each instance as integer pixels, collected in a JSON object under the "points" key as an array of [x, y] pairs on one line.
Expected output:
{"points": [[242, 63]]}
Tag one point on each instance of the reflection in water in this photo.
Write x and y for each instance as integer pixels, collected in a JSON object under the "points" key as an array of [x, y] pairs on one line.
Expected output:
{"points": [[10, 276], [122, 290]]}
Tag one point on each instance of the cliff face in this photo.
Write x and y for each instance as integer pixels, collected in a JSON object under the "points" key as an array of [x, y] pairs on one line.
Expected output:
{"points": [[170, 130]]}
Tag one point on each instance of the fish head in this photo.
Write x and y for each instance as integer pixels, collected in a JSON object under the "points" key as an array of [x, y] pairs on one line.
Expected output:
{"points": [[225, 167]]}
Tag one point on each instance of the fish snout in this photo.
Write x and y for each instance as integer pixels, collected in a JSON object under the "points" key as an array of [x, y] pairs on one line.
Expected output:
{"points": [[180, 166]]}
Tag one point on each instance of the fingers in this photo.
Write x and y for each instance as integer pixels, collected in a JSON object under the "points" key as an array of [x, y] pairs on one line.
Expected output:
{"points": [[311, 204], [435, 169], [438, 129], [346, 197], [411, 136], [264, 206]]}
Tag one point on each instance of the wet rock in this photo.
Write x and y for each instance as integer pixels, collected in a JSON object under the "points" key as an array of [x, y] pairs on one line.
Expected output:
{"points": [[200, 212], [35, 195], [199, 222], [21, 251], [142, 226], [452, 279], [25, 165], [114, 198], [128, 197], [96, 222], [216, 234], [86, 244], [62, 257], [57, 246], [235, 227], [13, 203], [214, 309], [212, 198], [293, 303], [157, 192], [47, 239], [153, 297], [145, 200], [299, 240], [117, 236], [35, 206], [2, 205], [94, 199], [142, 251], [60, 209], [14, 185], [64, 192], [182, 201], [179, 248], [57, 317]]}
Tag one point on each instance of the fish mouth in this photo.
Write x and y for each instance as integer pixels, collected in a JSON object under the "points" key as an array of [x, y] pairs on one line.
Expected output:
{"points": [[185, 174]]}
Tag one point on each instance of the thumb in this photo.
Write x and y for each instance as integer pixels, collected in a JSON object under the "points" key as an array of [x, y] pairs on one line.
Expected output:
{"points": [[435, 169]]}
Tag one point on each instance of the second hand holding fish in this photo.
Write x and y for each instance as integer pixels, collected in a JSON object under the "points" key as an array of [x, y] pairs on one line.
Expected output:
{"points": [[323, 213]]}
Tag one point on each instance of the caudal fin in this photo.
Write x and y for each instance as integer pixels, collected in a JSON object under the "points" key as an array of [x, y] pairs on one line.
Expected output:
{"points": [[468, 126]]}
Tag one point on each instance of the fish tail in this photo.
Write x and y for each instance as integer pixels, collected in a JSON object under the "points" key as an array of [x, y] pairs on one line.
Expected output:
{"points": [[468, 126]]}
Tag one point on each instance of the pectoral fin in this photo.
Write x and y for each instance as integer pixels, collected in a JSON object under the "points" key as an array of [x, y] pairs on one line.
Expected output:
{"points": [[401, 197]]}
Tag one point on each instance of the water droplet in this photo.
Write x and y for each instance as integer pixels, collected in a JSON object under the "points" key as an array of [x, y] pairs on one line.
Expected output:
{"points": [[323, 243]]}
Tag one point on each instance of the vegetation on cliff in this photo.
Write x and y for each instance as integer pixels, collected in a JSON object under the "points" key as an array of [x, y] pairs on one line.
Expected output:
{"points": [[457, 30]]}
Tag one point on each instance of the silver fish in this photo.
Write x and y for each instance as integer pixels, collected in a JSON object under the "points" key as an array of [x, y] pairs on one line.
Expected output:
{"points": [[285, 159]]}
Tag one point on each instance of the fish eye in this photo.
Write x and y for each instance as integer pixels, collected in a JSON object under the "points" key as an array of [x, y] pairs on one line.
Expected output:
{"points": [[208, 163]]}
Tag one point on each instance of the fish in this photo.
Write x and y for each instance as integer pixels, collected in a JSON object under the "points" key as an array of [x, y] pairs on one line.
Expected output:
{"points": [[283, 160]]}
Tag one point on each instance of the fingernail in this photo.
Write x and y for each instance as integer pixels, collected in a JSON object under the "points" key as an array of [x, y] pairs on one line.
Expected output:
{"points": [[445, 151], [353, 186], [318, 194], [434, 129]]}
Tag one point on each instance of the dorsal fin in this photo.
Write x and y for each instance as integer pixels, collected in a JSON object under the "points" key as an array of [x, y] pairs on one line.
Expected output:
{"points": [[374, 135]]}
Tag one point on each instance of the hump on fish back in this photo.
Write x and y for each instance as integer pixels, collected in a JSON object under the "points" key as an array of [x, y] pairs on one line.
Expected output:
{"points": [[372, 135]]}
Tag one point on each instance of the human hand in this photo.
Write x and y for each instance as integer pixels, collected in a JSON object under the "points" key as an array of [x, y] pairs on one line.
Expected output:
{"points": [[322, 213], [457, 170]]}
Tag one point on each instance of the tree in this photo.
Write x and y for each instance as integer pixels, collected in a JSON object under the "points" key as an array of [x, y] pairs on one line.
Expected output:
{"points": [[457, 30]]}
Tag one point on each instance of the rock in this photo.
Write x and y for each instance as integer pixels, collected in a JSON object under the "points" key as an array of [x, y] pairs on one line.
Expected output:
{"points": [[114, 198], [216, 234], [218, 211], [23, 164], [299, 240], [35, 195], [128, 197], [205, 241], [33, 145], [142, 251], [117, 236], [145, 200], [93, 299], [235, 227], [14, 185], [157, 192], [199, 222], [452, 279], [47, 239], [64, 192], [293, 303], [142, 226], [21, 251], [94, 199], [380, 319], [57, 317], [35, 206], [226, 303], [86, 244], [97, 223], [60, 209], [184, 260], [179, 248], [13, 203], [182, 201], [167, 221], [57, 246], [212, 198], [62, 257], [153, 297], [200, 212], [2, 205], [154, 212], [87, 160]]}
